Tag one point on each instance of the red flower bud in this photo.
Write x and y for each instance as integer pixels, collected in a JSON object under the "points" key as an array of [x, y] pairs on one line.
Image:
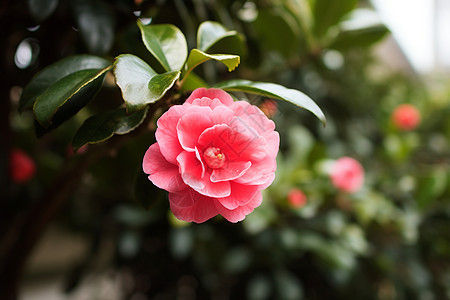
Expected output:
{"points": [[296, 198], [21, 166], [406, 117]]}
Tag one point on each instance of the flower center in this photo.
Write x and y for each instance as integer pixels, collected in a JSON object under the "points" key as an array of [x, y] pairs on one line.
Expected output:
{"points": [[214, 158]]}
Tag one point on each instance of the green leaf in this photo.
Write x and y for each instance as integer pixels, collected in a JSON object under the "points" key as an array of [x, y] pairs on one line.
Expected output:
{"points": [[48, 103], [362, 30], [54, 72], [328, 13], [42, 9], [166, 43], [101, 127], [210, 33], [275, 91], [71, 107], [96, 24], [212, 37], [358, 38], [139, 83], [196, 57]]}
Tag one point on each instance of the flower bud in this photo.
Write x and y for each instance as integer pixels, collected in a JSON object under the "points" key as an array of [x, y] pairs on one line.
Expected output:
{"points": [[21, 166], [406, 117]]}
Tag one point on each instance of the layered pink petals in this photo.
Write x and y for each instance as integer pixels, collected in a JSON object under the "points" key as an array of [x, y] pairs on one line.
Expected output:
{"points": [[239, 213], [240, 195], [213, 156], [166, 135], [212, 94], [189, 128], [232, 171], [162, 173], [190, 206]]}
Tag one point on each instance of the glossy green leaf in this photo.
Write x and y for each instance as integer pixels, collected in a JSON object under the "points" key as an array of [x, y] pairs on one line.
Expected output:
{"points": [[72, 107], [42, 9], [54, 72], [166, 43], [210, 33], [49, 102], [139, 83], [197, 57], [101, 127], [96, 24], [328, 13], [275, 91], [363, 29]]}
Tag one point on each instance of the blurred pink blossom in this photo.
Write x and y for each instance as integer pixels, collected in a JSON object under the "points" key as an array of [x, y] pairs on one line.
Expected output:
{"points": [[213, 156], [296, 198], [406, 117], [347, 174]]}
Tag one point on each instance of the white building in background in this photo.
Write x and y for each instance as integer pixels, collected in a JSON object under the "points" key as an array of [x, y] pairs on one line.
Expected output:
{"points": [[421, 29]]}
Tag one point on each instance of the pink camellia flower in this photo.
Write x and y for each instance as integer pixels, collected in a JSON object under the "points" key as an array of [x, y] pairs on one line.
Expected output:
{"points": [[21, 166], [406, 117], [296, 198], [347, 174], [213, 156]]}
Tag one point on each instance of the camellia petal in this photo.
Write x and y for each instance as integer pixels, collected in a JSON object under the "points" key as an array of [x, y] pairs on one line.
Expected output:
{"points": [[253, 116], [240, 195], [167, 136], [238, 214], [190, 127], [238, 143], [162, 173], [191, 170], [222, 115], [219, 94], [211, 103], [201, 208], [233, 170], [215, 189]]}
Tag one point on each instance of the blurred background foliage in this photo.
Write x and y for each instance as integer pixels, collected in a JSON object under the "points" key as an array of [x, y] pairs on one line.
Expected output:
{"points": [[389, 240]]}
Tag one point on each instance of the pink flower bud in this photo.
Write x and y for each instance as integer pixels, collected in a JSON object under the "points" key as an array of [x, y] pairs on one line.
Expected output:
{"points": [[406, 117], [296, 198], [347, 175], [21, 166]]}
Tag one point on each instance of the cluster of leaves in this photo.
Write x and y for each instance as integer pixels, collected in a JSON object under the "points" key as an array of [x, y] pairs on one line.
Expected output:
{"points": [[62, 89]]}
